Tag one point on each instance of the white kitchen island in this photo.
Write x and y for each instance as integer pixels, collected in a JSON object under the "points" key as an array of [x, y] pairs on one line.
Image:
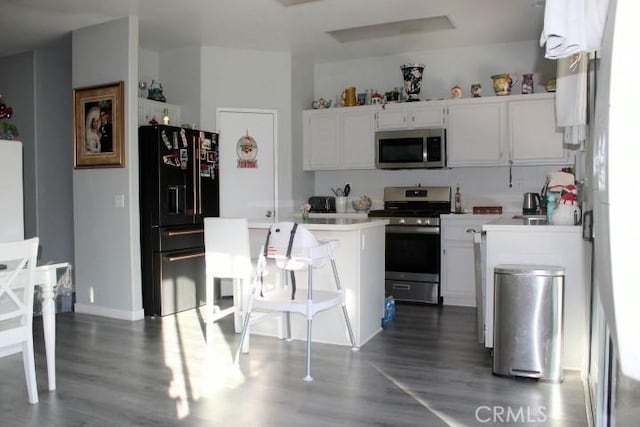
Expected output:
{"points": [[360, 263], [509, 241]]}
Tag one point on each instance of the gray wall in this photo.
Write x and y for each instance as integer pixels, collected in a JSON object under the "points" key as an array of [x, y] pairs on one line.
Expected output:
{"points": [[37, 85], [54, 151], [107, 238], [16, 85]]}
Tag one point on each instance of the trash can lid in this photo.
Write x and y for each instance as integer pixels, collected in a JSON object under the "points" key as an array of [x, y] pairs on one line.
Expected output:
{"points": [[529, 270]]}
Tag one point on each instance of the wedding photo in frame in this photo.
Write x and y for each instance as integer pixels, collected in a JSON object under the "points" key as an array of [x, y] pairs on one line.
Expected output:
{"points": [[98, 124]]}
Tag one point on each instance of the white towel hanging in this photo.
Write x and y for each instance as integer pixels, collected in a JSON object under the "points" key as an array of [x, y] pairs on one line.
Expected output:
{"points": [[573, 26]]}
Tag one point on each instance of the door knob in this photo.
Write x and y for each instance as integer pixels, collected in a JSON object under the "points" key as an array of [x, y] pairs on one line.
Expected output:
{"points": [[268, 214]]}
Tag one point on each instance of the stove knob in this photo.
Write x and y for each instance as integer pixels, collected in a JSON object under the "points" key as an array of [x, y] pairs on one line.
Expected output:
{"points": [[401, 221], [419, 221]]}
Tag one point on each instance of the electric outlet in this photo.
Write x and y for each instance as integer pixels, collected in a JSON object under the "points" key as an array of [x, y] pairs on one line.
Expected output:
{"points": [[118, 201]]}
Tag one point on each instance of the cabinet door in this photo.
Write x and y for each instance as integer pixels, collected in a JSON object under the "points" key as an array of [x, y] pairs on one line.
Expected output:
{"points": [[459, 287], [320, 141], [425, 116], [533, 133], [357, 138], [392, 116], [476, 133], [150, 110]]}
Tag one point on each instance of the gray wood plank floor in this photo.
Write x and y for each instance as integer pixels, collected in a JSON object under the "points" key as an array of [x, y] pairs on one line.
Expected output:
{"points": [[424, 369]]}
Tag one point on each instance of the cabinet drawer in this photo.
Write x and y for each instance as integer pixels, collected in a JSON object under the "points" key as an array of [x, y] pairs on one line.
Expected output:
{"points": [[412, 291], [460, 233]]}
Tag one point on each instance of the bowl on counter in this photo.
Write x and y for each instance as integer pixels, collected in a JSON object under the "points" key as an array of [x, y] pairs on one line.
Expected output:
{"points": [[361, 205]]}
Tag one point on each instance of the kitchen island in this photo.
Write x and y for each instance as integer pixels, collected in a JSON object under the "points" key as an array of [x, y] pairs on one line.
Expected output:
{"points": [[510, 241], [360, 263]]}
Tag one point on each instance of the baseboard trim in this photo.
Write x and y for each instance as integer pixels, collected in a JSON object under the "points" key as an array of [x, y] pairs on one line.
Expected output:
{"points": [[109, 312]]}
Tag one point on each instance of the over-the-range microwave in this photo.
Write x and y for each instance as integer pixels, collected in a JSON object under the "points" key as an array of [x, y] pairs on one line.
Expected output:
{"points": [[411, 149]]}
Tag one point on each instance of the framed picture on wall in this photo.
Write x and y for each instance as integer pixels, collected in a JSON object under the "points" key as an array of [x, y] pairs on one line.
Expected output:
{"points": [[98, 124]]}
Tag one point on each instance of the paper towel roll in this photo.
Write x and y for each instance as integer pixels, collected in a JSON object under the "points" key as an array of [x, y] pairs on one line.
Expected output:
{"points": [[559, 180]]}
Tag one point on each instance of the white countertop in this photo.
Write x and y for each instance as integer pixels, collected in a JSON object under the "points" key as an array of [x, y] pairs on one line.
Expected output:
{"points": [[332, 223], [507, 223]]}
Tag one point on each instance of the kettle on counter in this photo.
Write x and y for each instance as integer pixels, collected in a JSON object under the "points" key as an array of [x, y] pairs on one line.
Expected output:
{"points": [[531, 204]]}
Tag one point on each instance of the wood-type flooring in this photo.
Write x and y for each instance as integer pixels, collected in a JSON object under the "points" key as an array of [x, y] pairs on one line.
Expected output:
{"points": [[424, 369]]}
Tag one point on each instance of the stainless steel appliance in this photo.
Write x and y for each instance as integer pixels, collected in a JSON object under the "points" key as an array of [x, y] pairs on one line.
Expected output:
{"points": [[178, 188], [531, 204], [411, 149], [323, 204], [412, 241]]}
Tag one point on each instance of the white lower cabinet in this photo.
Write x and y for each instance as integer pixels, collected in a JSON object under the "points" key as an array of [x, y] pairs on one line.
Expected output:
{"points": [[552, 245], [457, 274]]}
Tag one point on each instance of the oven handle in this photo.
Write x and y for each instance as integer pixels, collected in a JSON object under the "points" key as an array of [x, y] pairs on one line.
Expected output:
{"points": [[411, 229]]}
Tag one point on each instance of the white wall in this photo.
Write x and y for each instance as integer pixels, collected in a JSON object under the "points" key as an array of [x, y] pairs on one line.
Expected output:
{"points": [[444, 69], [180, 73], [302, 72], [487, 186], [251, 79], [107, 239]]}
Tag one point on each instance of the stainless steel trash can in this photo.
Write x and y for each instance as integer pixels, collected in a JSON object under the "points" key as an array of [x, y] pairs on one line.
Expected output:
{"points": [[528, 306]]}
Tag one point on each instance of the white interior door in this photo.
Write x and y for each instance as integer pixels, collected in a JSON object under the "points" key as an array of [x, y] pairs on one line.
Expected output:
{"points": [[247, 147]]}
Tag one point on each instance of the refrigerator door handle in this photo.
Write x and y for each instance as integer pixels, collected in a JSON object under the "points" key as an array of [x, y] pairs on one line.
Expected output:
{"points": [[183, 232], [196, 162], [183, 257], [199, 177]]}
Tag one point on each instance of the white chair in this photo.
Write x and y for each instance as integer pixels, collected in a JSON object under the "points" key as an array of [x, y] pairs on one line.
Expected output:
{"points": [[291, 247], [227, 256], [18, 260]]}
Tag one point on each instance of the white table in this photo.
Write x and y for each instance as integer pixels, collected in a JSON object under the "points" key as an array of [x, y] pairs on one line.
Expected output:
{"points": [[46, 278]]}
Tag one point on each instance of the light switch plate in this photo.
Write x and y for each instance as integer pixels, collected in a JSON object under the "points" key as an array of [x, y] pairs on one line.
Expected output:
{"points": [[118, 200]]}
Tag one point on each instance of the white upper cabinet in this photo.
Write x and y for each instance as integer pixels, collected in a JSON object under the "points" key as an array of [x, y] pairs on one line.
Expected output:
{"points": [[338, 138], [320, 141], [426, 115], [476, 132], [150, 110], [410, 115], [356, 137], [533, 135], [489, 131], [494, 131], [391, 117]]}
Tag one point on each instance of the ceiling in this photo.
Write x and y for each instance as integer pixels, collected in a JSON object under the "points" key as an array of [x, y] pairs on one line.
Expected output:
{"points": [[329, 30]]}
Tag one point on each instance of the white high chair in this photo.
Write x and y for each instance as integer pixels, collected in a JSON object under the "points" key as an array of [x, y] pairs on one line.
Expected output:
{"points": [[227, 256], [292, 247], [17, 283]]}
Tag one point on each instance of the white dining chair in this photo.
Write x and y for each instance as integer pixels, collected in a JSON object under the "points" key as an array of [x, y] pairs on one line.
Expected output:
{"points": [[17, 266], [291, 247], [227, 256]]}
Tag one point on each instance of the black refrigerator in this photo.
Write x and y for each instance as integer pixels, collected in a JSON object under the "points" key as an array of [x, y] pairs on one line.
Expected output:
{"points": [[179, 186]]}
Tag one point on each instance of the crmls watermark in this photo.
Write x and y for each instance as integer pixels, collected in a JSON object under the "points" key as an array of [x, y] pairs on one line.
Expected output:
{"points": [[511, 414]]}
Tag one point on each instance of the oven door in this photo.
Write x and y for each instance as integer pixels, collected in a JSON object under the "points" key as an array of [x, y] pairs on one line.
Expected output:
{"points": [[412, 263]]}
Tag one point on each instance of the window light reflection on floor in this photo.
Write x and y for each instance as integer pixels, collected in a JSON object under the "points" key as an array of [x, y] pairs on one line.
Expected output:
{"points": [[197, 369]]}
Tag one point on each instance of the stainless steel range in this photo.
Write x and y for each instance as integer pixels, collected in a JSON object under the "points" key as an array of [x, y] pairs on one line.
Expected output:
{"points": [[412, 248]]}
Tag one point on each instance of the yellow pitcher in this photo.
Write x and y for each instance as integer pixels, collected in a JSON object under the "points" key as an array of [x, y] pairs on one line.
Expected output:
{"points": [[349, 97]]}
